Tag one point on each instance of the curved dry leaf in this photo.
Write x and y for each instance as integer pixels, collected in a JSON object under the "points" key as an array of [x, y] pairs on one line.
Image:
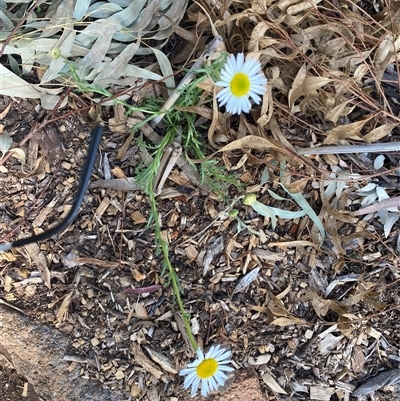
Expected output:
{"points": [[297, 83], [253, 142], [379, 133], [286, 321], [341, 110], [351, 131], [19, 154], [272, 383], [308, 85]]}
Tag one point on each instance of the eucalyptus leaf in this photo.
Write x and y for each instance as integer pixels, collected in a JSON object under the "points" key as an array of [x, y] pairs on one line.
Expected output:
{"points": [[56, 65], [12, 85], [102, 9], [96, 53], [5, 143], [388, 219], [276, 196], [7, 24], [58, 20], [121, 3], [80, 9], [264, 176], [134, 71], [116, 68], [128, 15], [302, 202], [265, 211], [241, 225], [14, 65], [287, 214], [378, 162], [166, 68], [381, 194]]}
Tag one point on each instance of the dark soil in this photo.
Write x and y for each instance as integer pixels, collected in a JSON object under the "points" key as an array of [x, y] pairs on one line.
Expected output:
{"points": [[14, 387]]}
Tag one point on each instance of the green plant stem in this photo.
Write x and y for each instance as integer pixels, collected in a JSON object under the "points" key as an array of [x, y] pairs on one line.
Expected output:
{"points": [[172, 273]]}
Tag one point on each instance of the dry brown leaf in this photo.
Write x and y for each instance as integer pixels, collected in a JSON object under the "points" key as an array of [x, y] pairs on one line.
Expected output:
{"points": [[272, 384], [62, 312], [297, 186], [308, 85], [348, 131], [142, 360], [341, 110], [4, 113], [40, 261], [379, 133], [288, 244], [281, 316], [297, 83], [344, 216]]}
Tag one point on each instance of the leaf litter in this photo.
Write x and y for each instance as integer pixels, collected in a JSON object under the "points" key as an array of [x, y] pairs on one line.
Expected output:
{"points": [[310, 309]]}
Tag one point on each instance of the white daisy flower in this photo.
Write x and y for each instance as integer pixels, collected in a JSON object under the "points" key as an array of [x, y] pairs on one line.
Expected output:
{"points": [[241, 80], [208, 369]]}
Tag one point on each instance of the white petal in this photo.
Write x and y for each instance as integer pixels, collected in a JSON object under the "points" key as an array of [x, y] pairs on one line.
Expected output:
{"points": [[260, 89], [226, 77], [224, 96], [255, 97], [219, 379], [212, 383], [258, 80], [186, 371], [195, 386], [251, 67], [189, 380], [222, 83], [239, 62], [193, 364], [204, 388], [225, 354], [226, 368], [230, 65], [210, 353], [230, 105], [200, 354]]}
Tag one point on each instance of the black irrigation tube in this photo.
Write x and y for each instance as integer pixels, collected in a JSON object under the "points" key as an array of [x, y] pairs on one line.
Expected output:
{"points": [[87, 169]]}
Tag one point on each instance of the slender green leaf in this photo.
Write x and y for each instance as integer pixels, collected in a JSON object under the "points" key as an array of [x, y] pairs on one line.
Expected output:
{"points": [[5, 143], [80, 9], [166, 68], [12, 85], [302, 202], [266, 211]]}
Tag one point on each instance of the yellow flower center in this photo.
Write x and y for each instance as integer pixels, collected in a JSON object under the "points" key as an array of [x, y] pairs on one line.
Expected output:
{"points": [[240, 84], [207, 368]]}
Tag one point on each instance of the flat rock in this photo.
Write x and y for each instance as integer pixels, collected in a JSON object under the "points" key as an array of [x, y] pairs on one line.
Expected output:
{"points": [[36, 351]]}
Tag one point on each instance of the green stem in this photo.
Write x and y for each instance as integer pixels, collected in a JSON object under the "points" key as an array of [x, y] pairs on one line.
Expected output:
{"points": [[172, 273]]}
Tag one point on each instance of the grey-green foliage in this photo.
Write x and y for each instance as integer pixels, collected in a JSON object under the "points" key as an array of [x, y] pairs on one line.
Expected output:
{"points": [[100, 37]]}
